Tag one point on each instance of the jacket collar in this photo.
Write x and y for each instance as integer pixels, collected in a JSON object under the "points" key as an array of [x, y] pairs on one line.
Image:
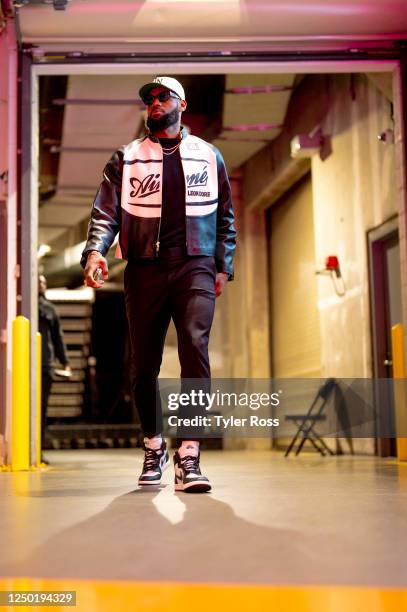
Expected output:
{"points": [[184, 133]]}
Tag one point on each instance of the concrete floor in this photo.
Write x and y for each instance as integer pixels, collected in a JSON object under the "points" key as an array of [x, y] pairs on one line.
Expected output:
{"points": [[269, 520]]}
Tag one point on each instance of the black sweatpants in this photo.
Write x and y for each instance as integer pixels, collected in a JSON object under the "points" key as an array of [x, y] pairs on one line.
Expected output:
{"points": [[178, 287]]}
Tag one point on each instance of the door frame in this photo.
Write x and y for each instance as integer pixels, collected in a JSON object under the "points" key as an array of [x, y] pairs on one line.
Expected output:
{"points": [[375, 237], [314, 63]]}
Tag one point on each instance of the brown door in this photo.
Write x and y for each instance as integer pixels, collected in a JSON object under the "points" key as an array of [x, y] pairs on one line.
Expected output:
{"points": [[386, 311]]}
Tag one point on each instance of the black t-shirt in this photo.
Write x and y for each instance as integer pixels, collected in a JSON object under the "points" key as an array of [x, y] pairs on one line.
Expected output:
{"points": [[172, 230]]}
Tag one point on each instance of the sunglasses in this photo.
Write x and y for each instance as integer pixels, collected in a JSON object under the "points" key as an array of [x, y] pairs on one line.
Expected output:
{"points": [[163, 96]]}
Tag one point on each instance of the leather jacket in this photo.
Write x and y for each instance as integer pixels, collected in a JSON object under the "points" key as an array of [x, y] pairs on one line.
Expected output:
{"points": [[128, 201]]}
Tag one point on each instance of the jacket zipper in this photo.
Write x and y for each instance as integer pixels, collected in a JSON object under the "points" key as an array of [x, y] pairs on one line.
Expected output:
{"points": [[157, 243], [185, 187]]}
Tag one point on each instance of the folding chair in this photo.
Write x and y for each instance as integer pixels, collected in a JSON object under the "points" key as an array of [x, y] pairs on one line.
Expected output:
{"points": [[306, 422]]}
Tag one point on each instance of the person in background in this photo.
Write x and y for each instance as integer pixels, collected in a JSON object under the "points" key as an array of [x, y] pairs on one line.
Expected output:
{"points": [[53, 345]]}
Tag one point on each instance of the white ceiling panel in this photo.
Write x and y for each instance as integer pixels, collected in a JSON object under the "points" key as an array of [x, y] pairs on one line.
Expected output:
{"points": [[96, 125], [78, 170], [61, 215], [46, 235], [242, 111], [260, 108], [241, 138], [236, 155], [94, 130], [91, 133]]}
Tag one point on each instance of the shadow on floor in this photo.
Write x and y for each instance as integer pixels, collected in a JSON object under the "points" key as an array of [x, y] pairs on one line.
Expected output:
{"points": [[131, 540]]}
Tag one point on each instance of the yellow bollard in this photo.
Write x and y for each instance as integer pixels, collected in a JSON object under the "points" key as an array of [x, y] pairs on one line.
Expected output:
{"points": [[39, 392], [399, 371], [20, 419]]}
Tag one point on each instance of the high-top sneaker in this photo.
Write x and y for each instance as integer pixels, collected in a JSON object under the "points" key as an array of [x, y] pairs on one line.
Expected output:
{"points": [[155, 462], [188, 475]]}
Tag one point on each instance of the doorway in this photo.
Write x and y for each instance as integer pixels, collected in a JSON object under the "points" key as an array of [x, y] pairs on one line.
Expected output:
{"points": [[386, 309], [37, 70]]}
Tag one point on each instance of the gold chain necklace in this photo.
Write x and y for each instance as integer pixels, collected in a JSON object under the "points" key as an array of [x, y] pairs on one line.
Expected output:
{"points": [[171, 150]]}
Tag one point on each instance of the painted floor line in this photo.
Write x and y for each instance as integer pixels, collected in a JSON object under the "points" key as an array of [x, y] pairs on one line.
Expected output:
{"points": [[103, 596]]}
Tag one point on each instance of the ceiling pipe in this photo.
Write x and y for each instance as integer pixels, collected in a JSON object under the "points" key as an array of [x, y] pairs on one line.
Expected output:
{"points": [[248, 139], [58, 149], [96, 101], [259, 90], [257, 127]]}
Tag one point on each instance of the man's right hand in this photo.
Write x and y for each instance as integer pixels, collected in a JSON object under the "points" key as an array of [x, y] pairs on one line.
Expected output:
{"points": [[95, 260]]}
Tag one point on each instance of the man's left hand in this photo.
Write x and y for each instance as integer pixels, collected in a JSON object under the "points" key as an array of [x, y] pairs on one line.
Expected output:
{"points": [[221, 280]]}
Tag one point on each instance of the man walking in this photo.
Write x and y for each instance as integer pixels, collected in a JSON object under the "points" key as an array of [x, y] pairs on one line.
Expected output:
{"points": [[168, 196]]}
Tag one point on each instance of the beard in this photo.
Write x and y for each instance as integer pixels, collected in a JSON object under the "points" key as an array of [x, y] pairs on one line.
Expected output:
{"points": [[164, 122]]}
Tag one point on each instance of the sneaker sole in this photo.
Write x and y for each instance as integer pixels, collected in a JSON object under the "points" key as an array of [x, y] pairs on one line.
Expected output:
{"points": [[193, 487], [149, 483]]}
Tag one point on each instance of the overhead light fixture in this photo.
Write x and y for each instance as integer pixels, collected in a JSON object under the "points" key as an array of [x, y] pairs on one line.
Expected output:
{"points": [[43, 249], [307, 145], [304, 145]]}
